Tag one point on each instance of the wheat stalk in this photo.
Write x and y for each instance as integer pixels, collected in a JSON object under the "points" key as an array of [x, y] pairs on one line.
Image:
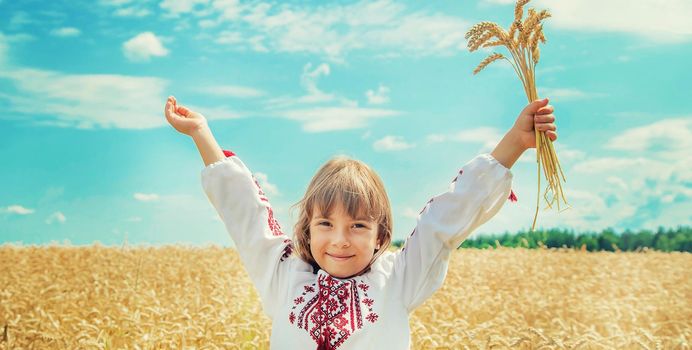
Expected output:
{"points": [[522, 41], [488, 60]]}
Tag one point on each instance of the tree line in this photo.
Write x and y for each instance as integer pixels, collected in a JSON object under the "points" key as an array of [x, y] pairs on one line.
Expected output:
{"points": [[667, 240]]}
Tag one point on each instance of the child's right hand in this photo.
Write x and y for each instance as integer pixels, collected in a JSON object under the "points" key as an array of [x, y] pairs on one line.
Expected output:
{"points": [[183, 119]]}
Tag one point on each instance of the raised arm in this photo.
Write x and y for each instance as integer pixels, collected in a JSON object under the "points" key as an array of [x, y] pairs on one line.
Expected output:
{"points": [[264, 249], [476, 194], [194, 125]]}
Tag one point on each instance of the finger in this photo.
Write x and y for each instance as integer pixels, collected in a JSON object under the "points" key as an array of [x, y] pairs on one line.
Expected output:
{"points": [[182, 110], [548, 118], [171, 116], [545, 127], [552, 135], [167, 109], [546, 110], [534, 106]]}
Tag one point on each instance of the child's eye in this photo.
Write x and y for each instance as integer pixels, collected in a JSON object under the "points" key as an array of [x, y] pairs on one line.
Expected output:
{"points": [[359, 226], [323, 223]]}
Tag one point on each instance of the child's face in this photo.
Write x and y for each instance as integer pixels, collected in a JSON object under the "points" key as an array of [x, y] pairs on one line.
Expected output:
{"points": [[341, 245]]}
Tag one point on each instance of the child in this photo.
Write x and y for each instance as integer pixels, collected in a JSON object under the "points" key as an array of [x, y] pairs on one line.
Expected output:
{"points": [[343, 289]]}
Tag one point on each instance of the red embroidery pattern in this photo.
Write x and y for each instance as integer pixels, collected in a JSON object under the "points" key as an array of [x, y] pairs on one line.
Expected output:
{"points": [[288, 249], [273, 224], [512, 196], [333, 313], [260, 192]]}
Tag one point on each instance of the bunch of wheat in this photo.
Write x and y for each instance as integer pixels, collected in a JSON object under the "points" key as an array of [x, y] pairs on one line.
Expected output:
{"points": [[522, 42]]}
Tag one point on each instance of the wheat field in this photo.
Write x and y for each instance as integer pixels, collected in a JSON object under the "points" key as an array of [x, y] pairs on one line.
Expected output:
{"points": [[178, 297]]}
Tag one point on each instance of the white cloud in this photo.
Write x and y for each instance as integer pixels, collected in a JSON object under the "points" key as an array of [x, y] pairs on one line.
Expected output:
{"points": [[432, 138], [146, 197], [551, 69], [143, 46], [232, 91], [391, 143], [641, 179], [343, 113], [604, 164], [486, 136], [177, 7], [19, 19], [267, 187], [230, 9], [666, 21], [335, 118], [309, 81], [132, 12], [19, 38], [126, 8], [567, 94], [86, 101], [381, 96], [208, 23], [333, 30], [647, 185], [17, 209], [618, 182], [478, 135], [569, 154], [56, 217], [134, 219], [410, 213], [256, 43], [664, 135], [115, 2], [215, 113], [65, 32], [229, 37]]}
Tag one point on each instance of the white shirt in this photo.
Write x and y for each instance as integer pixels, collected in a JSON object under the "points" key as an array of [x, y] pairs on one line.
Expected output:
{"points": [[370, 311]]}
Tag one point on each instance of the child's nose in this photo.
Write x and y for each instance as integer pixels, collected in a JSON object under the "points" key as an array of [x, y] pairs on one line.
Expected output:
{"points": [[341, 238]]}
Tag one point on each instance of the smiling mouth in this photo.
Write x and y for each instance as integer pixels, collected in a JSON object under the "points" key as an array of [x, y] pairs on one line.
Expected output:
{"points": [[340, 258]]}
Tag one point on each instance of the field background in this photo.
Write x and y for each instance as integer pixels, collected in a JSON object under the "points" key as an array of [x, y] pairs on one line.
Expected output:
{"points": [[97, 297]]}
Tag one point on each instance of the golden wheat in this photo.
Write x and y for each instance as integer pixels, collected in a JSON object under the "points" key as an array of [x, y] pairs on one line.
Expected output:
{"points": [[522, 41], [519, 9], [201, 298], [488, 60]]}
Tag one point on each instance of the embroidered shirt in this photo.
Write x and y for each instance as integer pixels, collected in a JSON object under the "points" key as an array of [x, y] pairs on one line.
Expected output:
{"points": [[370, 311]]}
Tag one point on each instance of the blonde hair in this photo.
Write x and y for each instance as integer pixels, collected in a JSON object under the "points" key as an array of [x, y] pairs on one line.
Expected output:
{"points": [[361, 192]]}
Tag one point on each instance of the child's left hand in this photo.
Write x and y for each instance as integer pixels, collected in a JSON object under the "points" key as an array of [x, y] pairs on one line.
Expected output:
{"points": [[539, 115]]}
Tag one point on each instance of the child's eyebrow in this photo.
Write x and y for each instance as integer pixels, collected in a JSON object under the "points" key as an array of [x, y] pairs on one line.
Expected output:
{"points": [[360, 218]]}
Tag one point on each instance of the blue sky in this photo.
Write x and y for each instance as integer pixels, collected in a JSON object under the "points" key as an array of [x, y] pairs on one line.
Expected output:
{"points": [[88, 156]]}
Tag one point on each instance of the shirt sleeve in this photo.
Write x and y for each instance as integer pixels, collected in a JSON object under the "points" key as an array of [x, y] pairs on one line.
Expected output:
{"points": [[476, 194], [245, 211]]}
